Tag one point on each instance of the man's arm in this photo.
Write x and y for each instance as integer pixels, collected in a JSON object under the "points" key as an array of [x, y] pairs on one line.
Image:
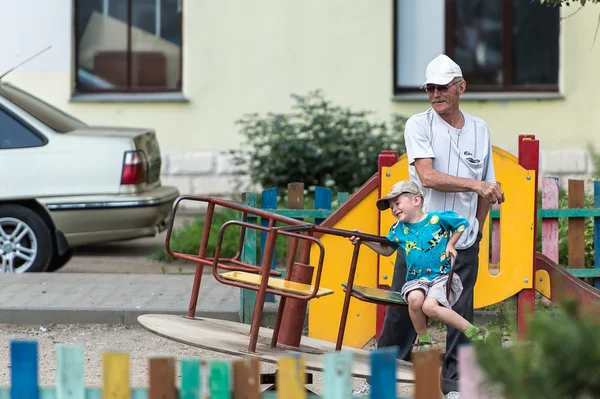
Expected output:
{"points": [[483, 207], [439, 181]]}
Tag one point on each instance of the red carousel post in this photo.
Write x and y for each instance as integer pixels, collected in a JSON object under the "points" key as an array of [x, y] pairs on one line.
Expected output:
{"points": [[529, 158]]}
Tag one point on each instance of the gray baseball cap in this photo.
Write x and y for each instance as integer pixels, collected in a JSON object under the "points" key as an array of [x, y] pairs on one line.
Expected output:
{"points": [[404, 186]]}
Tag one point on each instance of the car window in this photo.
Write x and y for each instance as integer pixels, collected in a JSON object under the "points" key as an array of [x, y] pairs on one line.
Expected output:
{"points": [[49, 115], [13, 134]]}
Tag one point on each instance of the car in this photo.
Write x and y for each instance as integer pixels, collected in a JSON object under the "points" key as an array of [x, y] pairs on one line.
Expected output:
{"points": [[66, 184]]}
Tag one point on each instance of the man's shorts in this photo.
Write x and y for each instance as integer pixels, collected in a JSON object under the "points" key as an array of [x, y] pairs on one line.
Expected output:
{"points": [[435, 289]]}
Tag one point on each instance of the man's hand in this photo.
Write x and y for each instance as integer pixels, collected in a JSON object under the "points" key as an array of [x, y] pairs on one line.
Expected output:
{"points": [[491, 191]]}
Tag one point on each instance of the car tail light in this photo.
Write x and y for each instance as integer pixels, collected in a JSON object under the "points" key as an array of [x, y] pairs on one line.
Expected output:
{"points": [[134, 168]]}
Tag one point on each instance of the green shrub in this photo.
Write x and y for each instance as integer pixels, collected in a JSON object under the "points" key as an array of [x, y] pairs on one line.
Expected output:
{"points": [[563, 362], [317, 143], [186, 239]]}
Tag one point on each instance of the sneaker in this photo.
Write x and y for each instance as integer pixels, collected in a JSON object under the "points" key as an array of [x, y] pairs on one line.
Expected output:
{"points": [[363, 390], [481, 335], [452, 395], [422, 346]]}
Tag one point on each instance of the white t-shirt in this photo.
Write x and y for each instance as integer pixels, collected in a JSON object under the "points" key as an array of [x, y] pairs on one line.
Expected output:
{"points": [[465, 152]]}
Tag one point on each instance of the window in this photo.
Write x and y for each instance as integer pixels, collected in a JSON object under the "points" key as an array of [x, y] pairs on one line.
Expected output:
{"points": [[500, 45], [44, 112], [128, 45], [13, 134]]}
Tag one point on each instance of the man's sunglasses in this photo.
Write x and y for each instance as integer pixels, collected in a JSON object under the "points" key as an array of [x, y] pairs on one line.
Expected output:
{"points": [[441, 89]]}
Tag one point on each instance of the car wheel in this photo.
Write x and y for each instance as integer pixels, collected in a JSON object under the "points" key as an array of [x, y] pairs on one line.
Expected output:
{"points": [[59, 261], [25, 241]]}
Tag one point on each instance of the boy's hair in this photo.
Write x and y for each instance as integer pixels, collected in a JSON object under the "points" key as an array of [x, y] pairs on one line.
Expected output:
{"points": [[402, 187]]}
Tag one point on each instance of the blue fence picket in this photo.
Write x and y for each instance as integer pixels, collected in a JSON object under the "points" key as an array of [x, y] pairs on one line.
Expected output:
{"points": [[383, 373], [248, 297], [24, 370], [597, 232], [322, 200], [268, 202]]}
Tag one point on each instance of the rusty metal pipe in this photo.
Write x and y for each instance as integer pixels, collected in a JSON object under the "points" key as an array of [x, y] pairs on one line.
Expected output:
{"points": [[199, 266], [294, 313], [261, 294], [281, 219], [346, 305], [282, 301]]}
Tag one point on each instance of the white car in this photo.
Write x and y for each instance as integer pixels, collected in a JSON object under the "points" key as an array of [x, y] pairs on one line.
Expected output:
{"points": [[66, 184]]}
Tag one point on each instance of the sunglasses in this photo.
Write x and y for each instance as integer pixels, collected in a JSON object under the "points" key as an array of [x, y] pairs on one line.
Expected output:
{"points": [[442, 89]]}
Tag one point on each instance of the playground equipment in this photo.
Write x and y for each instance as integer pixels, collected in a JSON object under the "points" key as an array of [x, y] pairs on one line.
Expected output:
{"points": [[330, 270]]}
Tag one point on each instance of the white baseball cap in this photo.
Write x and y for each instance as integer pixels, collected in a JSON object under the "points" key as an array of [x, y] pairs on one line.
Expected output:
{"points": [[441, 70]]}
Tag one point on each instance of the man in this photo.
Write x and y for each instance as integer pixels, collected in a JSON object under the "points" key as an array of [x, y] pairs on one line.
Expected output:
{"points": [[450, 156]]}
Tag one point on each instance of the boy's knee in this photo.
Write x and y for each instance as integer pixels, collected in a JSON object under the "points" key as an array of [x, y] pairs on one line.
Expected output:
{"points": [[430, 307], [415, 300]]}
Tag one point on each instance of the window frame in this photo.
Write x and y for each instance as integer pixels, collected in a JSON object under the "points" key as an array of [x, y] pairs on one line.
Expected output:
{"points": [[129, 89], [507, 57]]}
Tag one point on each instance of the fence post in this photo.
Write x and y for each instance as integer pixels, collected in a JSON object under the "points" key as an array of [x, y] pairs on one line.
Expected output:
{"points": [[247, 297], [322, 200], [268, 202], [495, 236], [576, 234], [342, 197], [597, 232], [469, 385], [550, 194]]}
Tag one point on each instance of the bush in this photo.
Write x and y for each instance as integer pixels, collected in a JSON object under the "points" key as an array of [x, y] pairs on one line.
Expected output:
{"points": [[562, 362], [317, 143]]}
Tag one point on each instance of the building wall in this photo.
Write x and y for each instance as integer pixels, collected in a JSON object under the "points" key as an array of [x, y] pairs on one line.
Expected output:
{"points": [[239, 57]]}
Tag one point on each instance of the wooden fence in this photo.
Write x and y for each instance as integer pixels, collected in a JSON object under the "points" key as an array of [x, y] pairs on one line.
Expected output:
{"points": [[221, 379], [549, 237]]}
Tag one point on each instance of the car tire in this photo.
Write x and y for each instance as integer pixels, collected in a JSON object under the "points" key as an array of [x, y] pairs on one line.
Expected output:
{"points": [[59, 261], [33, 250]]}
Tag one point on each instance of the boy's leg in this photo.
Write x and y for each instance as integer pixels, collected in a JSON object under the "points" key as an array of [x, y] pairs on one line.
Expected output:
{"points": [[415, 299], [466, 266], [397, 326], [435, 308]]}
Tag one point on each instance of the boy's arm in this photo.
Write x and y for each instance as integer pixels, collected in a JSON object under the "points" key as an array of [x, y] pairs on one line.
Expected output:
{"points": [[454, 238], [381, 249]]}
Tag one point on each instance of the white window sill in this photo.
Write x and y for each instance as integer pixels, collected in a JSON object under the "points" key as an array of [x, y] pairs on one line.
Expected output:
{"points": [[485, 96], [129, 98]]}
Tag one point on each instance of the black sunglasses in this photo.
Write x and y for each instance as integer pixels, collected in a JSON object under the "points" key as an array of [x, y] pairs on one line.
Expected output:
{"points": [[441, 89]]}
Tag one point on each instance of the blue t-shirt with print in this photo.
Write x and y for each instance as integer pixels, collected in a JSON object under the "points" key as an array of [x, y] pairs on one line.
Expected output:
{"points": [[424, 243]]}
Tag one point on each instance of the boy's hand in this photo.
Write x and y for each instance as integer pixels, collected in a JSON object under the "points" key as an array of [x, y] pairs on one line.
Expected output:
{"points": [[353, 239], [450, 250]]}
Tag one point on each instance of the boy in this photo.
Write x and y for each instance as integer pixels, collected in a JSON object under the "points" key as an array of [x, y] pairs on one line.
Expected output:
{"points": [[428, 242]]}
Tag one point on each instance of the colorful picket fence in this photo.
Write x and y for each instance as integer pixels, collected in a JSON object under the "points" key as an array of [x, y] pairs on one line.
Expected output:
{"points": [[549, 214], [225, 379]]}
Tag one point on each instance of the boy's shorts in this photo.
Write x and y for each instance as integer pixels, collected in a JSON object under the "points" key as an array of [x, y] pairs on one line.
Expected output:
{"points": [[435, 289]]}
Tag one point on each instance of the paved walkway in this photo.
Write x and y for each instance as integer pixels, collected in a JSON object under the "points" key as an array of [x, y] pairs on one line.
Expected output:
{"points": [[63, 298]]}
